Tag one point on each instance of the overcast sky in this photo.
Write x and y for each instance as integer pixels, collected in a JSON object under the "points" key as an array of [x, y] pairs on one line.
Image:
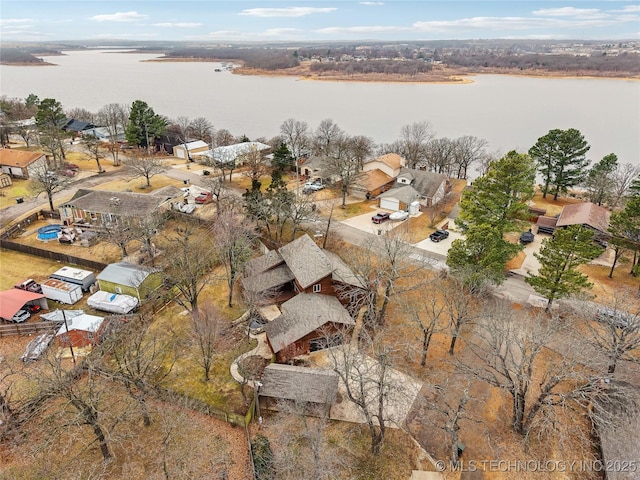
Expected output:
{"points": [[267, 20]]}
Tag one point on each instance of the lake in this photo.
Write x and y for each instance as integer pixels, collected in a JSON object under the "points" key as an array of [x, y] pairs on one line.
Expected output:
{"points": [[509, 112]]}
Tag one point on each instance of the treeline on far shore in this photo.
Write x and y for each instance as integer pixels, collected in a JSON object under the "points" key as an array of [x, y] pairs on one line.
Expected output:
{"points": [[19, 55], [625, 62]]}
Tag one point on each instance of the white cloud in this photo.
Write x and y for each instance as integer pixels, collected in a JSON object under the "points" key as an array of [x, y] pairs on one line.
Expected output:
{"points": [[119, 17], [124, 35], [286, 12], [282, 32], [177, 25], [371, 3], [628, 9], [13, 21], [367, 29], [569, 12]]}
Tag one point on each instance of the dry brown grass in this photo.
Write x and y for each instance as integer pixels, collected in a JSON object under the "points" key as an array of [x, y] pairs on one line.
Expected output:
{"points": [[100, 252], [604, 288], [553, 207], [138, 185]]}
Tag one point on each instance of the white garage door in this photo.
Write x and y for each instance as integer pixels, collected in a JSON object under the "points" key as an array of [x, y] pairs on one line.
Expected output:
{"points": [[390, 203]]}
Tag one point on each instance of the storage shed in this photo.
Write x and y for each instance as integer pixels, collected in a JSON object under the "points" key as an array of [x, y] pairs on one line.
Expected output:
{"points": [[80, 331], [76, 276], [311, 387], [128, 279]]}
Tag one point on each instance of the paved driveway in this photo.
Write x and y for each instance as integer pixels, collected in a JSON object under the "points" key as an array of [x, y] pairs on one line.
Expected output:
{"points": [[364, 223], [441, 247]]}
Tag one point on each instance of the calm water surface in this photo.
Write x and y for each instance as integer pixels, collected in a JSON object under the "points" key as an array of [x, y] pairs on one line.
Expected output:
{"points": [[509, 112]]}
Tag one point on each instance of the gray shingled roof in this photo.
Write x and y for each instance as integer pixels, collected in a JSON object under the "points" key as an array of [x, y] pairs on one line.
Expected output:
{"points": [[267, 280], [406, 194], [299, 383], [303, 314], [306, 260], [118, 203], [427, 183], [124, 273], [342, 272], [263, 263], [423, 183]]}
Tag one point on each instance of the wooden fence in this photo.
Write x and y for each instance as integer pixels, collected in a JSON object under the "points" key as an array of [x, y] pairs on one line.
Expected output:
{"points": [[61, 257], [28, 328], [21, 226]]}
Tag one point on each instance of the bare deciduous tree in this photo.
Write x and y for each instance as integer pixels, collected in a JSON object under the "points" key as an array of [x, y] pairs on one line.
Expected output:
{"points": [[296, 137], [45, 178], [206, 331], [142, 360], [93, 147], [189, 267], [114, 117], [325, 137], [614, 328], [141, 165], [369, 381], [305, 451], [232, 240], [202, 129], [413, 142], [510, 350]]}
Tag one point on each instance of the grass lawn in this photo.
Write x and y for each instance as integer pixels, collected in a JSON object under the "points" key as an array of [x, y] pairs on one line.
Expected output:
{"points": [[553, 207], [101, 251], [351, 209], [138, 185], [222, 391], [20, 188], [17, 266], [605, 288]]}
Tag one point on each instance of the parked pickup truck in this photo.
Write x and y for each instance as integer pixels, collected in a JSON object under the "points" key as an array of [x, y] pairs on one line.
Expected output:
{"points": [[30, 286], [380, 217], [204, 197]]}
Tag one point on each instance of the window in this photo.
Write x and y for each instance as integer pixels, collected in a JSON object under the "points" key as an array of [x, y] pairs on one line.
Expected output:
{"points": [[316, 288], [89, 335]]}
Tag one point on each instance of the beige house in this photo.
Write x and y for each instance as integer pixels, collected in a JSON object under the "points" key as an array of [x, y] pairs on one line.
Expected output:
{"points": [[378, 176], [20, 163], [191, 149]]}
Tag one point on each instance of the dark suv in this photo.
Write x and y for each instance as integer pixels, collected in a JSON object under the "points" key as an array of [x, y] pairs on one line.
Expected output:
{"points": [[439, 235], [380, 217]]}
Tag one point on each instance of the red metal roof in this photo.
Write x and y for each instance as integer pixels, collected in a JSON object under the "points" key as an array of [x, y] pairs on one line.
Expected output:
{"points": [[13, 300]]}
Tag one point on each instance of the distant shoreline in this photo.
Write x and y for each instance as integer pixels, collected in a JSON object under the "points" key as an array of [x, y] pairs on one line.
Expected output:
{"points": [[440, 75]]}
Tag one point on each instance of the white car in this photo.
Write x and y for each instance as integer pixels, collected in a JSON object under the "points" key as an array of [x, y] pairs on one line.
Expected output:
{"points": [[399, 216], [21, 316], [312, 186]]}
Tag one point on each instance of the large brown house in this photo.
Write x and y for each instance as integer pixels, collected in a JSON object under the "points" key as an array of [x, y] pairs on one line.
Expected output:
{"points": [[309, 322], [320, 294], [302, 267]]}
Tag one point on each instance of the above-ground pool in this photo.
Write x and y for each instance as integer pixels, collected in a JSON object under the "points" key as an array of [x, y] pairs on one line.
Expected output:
{"points": [[49, 232]]}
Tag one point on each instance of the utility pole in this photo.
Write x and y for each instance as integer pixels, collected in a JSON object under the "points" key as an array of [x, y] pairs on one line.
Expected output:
{"points": [[66, 327]]}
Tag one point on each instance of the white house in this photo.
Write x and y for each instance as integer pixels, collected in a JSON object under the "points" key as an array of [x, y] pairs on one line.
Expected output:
{"points": [[234, 153]]}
